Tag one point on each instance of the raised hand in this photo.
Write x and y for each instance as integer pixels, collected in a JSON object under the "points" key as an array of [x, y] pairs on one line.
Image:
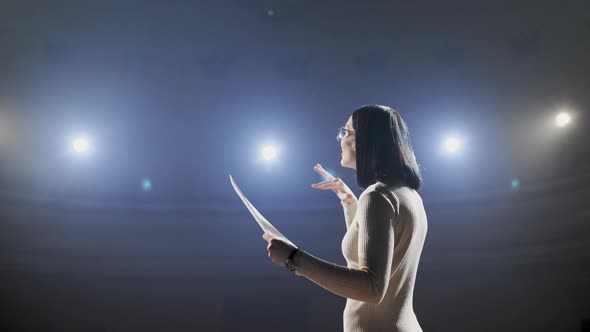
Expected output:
{"points": [[335, 184]]}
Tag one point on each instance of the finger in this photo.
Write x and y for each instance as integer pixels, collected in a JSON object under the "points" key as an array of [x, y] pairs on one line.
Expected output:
{"points": [[329, 187], [321, 168], [266, 236], [334, 182], [333, 188], [318, 168], [270, 236], [325, 182], [315, 185]]}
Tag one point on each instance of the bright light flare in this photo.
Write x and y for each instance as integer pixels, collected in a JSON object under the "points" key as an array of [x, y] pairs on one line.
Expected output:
{"points": [[269, 152], [452, 144], [563, 119], [80, 145]]}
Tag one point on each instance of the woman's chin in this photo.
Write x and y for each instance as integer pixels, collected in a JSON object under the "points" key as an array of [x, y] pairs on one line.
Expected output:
{"points": [[347, 164]]}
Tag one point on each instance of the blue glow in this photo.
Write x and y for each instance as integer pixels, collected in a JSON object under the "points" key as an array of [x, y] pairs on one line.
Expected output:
{"points": [[515, 184], [146, 184]]}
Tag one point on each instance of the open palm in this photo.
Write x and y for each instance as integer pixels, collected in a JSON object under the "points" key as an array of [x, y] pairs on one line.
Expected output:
{"points": [[335, 184]]}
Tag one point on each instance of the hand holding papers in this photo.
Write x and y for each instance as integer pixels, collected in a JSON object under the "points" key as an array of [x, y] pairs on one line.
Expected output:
{"points": [[262, 222]]}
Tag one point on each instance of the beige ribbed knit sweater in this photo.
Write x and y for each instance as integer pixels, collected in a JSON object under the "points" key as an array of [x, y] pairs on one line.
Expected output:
{"points": [[385, 234]]}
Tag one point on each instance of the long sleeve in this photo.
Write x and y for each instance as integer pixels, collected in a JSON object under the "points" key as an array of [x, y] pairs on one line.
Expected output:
{"points": [[369, 282]]}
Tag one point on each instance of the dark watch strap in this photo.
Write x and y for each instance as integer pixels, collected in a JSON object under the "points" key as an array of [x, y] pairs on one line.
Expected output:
{"points": [[293, 254], [290, 258]]}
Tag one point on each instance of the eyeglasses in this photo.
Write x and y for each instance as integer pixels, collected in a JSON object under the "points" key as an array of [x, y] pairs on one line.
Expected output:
{"points": [[342, 132]]}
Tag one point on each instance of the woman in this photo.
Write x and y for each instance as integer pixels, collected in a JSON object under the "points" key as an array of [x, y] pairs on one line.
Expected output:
{"points": [[386, 226]]}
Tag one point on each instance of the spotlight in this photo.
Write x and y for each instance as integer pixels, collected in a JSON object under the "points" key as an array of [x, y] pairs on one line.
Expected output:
{"points": [[80, 145], [563, 119], [452, 144], [269, 152]]}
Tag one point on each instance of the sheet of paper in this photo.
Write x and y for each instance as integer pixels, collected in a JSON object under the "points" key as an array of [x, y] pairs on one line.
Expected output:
{"points": [[262, 222]]}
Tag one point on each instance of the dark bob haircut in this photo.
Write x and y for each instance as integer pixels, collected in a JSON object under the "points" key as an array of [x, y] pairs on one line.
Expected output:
{"points": [[383, 149]]}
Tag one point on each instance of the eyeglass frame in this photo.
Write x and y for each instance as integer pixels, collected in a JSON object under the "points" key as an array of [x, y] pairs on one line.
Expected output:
{"points": [[348, 131]]}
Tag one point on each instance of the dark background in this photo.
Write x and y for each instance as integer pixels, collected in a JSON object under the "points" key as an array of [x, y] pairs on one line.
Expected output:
{"points": [[185, 92]]}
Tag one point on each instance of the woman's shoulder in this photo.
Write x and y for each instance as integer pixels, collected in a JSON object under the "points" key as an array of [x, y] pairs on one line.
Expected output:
{"points": [[375, 187], [397, 193], [383, 187], [386, 190]]}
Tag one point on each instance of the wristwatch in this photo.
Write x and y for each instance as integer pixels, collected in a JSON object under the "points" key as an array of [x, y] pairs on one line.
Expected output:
{"points": [[289, 263]]}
